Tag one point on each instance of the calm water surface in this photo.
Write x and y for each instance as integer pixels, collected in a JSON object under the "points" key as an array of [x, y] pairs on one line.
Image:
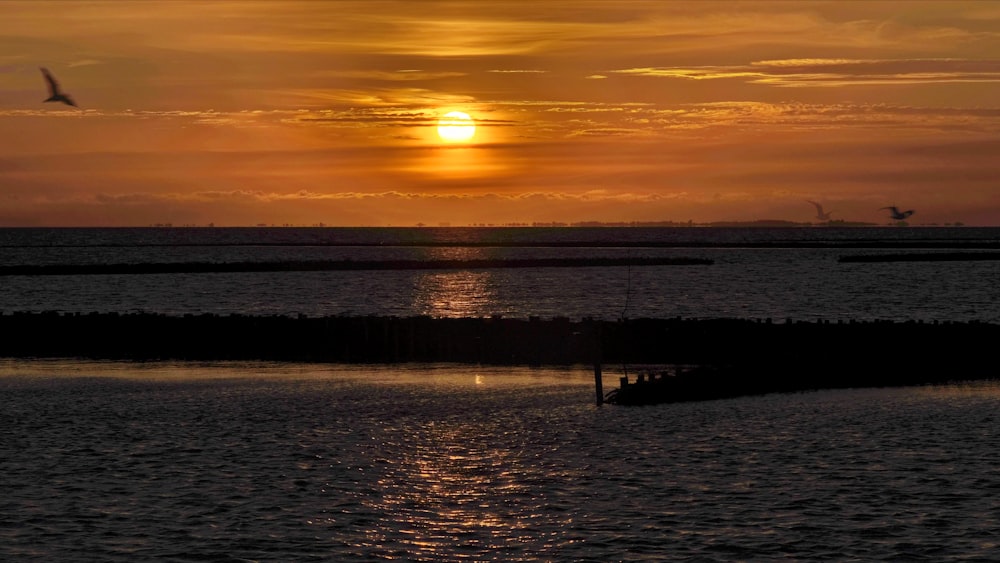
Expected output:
{"points": [[263, 462], [782, 280]]}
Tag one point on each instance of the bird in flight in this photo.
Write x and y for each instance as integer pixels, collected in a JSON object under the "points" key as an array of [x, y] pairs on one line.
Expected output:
{"points": [[55, 94], [898, 215], [819, 211]]}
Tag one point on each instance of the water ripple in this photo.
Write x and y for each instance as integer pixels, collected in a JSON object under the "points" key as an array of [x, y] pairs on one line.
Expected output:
{"points": [[260, 463]]}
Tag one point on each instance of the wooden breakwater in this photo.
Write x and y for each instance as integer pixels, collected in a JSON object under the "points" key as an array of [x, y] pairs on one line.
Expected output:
{"points": [[337, 339], [731, 356], [141, 268], [499, 340], [922, 257]]}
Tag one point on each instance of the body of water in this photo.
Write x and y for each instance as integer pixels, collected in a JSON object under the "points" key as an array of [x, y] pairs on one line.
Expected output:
{"points": [[288, 462], [259, 462], [756, 273]]}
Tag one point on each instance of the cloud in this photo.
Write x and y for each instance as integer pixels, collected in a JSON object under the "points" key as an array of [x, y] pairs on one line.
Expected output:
{"points": [[700, 73], [799, 73], [391, 76], [610, 132], [260, 196]]}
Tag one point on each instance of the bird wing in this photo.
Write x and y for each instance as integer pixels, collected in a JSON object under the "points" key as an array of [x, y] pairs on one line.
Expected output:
{"points": [[818, 206], [51, 81]]}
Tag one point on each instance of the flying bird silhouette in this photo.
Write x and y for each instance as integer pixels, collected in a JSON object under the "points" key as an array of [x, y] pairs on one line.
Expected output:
{"points": [[898, 215], [55, 94], [819, 211]]}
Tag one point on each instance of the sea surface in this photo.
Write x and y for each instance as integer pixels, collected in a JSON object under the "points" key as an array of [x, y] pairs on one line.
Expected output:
{"points": [[266, 462], [779, 273], [253, 461]]}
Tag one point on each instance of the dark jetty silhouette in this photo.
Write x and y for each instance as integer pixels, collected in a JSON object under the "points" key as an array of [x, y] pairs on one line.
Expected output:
{"points": [[705, 359], [922, 257], [335, 265]]}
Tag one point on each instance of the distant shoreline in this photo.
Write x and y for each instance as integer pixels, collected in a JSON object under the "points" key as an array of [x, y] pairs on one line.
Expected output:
{"points": [[762, 223], [582, 225], [846, 244]]}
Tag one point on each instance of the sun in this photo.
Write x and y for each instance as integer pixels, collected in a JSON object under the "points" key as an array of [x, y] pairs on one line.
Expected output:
{"points": [[456, 127]]}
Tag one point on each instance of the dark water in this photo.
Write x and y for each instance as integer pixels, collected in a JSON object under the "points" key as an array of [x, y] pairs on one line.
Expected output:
{"points": [[266, 462], [257, 462], [789, 273]]}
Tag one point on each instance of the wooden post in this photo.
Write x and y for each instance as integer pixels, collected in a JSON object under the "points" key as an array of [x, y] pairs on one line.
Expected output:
{"points": [[598, 380], [598, 383]]}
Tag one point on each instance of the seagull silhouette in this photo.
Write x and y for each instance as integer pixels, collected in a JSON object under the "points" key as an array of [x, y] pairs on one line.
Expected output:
{"points": [[898, 215], [55, 94], [819, 211]]}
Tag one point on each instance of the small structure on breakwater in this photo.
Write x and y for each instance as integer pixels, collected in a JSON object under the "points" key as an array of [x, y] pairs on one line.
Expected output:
{"points": [[758, 375], [692, 383]]}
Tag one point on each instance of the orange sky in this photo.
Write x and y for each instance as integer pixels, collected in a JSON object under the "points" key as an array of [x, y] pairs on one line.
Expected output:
{"points": [[307, 112]]}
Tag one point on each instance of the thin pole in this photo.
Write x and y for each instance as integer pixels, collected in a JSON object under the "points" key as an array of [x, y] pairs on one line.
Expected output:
{"points": [[598, 383], [598, 380]]}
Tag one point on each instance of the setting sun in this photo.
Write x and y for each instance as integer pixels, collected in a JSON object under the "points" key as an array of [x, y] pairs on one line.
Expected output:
{"points": [[522, 112], [456, 127]]}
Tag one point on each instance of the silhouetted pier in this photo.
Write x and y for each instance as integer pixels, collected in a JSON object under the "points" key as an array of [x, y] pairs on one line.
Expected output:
{"points": [[715, 357], [335, 265], [922, 257]]}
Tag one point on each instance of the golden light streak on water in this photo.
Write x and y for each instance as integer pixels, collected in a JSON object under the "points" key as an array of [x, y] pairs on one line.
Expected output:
{"points": [[467, 293], [449, 481]]}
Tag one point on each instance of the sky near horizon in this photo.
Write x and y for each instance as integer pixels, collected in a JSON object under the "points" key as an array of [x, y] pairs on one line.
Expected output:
{"points": [[306, 112]]}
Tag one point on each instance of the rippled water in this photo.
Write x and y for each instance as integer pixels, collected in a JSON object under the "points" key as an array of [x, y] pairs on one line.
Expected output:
{"points": [[263, 462], [800, 284], [783, 282]]}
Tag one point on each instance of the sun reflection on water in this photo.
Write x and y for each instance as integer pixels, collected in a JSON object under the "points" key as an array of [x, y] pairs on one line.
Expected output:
{"points": [[456, 293], [452, 491]]}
